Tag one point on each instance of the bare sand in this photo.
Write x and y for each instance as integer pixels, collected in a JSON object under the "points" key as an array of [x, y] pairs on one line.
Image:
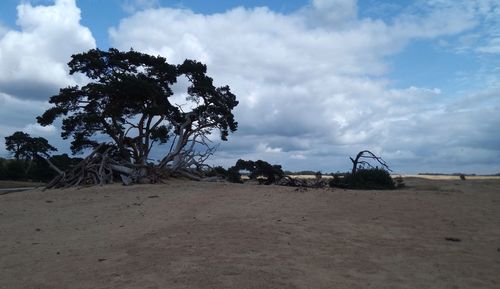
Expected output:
{"points": [[217, 235]]}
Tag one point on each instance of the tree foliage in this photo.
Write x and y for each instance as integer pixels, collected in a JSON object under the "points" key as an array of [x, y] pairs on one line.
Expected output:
{"points": [[371, 179], [364, 175], [31, 158], [259, 168], [129, 100], [23, 146]]}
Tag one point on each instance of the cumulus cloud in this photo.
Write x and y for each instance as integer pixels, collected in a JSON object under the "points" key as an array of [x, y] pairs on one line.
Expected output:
{"points": [[312, 90], [33, 59], [16, 113], [33, 64], [312, 84]]}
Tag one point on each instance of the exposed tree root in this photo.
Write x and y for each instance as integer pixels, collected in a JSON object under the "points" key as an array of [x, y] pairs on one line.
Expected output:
{"points": [[100, 168]]}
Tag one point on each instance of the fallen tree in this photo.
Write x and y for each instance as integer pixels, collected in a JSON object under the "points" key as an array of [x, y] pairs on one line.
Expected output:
{"points": [[129, 102]]}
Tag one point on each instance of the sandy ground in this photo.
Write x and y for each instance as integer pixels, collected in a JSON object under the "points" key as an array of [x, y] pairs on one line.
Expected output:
{"points": [[217, 235]]}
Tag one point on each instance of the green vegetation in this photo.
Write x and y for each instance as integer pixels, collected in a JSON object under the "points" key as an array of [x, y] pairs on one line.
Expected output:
{"points": [[37, 169], [129, 99], [365, 179], [261, 170]]}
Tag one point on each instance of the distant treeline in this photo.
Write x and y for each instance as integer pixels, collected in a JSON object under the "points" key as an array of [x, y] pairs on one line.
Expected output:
{"points": [[455, 174], [34, 170], [305, 173]]}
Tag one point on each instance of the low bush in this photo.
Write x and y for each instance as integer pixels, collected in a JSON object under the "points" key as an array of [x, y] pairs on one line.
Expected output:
{"points": [[217, 171], [371, 179], [366, 179], [258, 169], [339, 180]]}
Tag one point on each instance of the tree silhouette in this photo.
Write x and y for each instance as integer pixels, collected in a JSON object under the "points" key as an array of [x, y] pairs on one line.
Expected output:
{"points": [[28, 148], [271, 173], [129, 100], [16, 144], [23, 146]]}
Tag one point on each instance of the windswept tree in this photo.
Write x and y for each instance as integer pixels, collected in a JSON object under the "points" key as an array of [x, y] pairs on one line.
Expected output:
{"points": [[128, 100]]}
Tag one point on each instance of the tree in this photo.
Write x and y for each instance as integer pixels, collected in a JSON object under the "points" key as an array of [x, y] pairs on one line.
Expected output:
{"points": [[28, 148], [129, 100], [271, 173], [16, 144], [364, 175]]}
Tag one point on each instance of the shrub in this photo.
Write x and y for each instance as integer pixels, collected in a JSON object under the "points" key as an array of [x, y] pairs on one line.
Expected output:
{"points": [[259, 168], [366, 179], [217, 171], [371, 179], [233, 175], [339, 180]]}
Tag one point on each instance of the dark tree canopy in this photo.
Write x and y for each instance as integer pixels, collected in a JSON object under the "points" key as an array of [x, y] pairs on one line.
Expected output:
{"points": [[23, 146], [364, 175], [129, 100], [271, 173], [28, 149], [16, 143]]}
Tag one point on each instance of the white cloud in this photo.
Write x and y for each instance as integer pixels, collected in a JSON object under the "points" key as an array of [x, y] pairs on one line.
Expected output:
{"points": [[36, 129], [298, 156], [483, 16], [315, 91], [132, 6], [33, 59], [16, 113], [265, 148], [331, 12], [312, 84], [493, 46], [33, 64]]}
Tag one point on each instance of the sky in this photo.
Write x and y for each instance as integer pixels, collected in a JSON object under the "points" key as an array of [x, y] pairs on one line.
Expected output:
{"points": [[416, 82]]}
